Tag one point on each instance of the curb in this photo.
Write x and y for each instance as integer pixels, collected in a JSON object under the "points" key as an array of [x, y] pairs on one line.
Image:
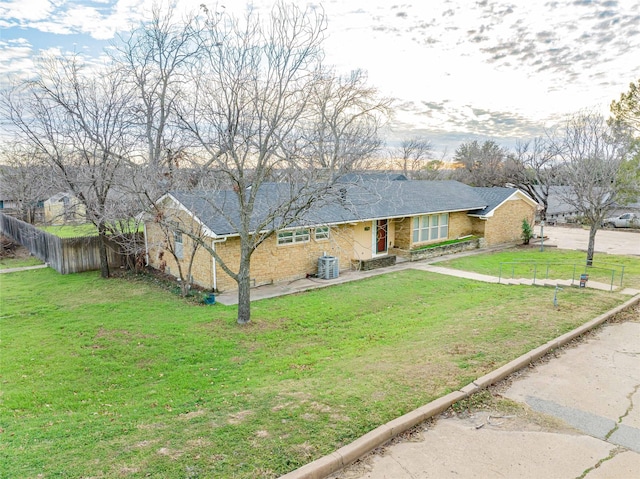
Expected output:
{"points": [[321, 468]]}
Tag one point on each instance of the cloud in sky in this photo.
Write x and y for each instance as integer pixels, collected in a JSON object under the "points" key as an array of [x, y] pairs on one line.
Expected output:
{"points": [[459, 69]]}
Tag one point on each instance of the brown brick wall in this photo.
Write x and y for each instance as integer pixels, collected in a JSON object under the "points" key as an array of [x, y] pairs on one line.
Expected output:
{"points": [[505, 226], [478, 226], [160, 256], [460, 224], [271, 263], [404, 231]]}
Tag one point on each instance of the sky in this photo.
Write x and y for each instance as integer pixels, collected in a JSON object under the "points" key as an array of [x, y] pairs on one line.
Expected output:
{"points": [[458, 70]]}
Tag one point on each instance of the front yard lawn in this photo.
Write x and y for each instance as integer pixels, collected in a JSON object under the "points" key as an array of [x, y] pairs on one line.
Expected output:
{"points": [[560, 265], [118, 378]]}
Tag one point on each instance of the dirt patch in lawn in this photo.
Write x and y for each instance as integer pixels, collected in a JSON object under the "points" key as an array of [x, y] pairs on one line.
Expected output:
{"points": [[13, 250]]}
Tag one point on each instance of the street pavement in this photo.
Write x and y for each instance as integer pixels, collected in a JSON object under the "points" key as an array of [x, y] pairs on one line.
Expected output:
{"points": [[611, 241]]}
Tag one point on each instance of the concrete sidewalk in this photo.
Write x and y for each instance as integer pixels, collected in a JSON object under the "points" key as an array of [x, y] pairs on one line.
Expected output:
{"points": [[306, 284], [23, 268], [607, 241]]}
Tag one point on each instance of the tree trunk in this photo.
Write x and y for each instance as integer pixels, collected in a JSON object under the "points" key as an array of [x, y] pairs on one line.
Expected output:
{"points": [[104, 258], [592, 241], [244, 290], [543, 211]]}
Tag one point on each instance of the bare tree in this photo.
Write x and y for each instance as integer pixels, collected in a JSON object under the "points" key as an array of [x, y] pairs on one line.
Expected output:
{"points": [[25, 180], [172, 227], [533, 168], [259, 98], [345, 116], [483, 164], [413, 155], [154, 59], [77, 121], [591, 156]]}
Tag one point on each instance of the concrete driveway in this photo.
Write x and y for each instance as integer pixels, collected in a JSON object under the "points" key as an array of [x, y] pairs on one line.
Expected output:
{"points": [[577, 421], [612, 241]]}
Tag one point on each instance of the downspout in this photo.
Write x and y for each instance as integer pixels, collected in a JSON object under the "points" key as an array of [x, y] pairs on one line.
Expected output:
{"points": [[213, 262], [146, 245]]}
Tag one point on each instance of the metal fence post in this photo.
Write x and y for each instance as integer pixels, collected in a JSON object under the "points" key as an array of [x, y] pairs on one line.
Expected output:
{"points": [[613, 273]]}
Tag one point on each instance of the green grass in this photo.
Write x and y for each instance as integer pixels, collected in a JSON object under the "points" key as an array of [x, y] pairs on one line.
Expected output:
{"points": [[118, 378], [7, 263], [76, 231], [554, 263], [444, 243], [71, 231]]}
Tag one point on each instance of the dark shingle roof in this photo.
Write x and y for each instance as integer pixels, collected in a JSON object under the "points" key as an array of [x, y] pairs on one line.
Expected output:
{"points": [[218, 210], [362, 177], [493, 196]]}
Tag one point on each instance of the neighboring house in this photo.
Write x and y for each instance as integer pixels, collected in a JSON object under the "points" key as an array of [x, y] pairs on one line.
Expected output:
{"points": [[21, 198], [364, 221], [633, 207], [32, 213], [559, 211], [64, 208]]}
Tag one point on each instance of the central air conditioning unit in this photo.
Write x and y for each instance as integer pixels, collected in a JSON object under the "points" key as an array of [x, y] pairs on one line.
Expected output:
{"points": [[328, 267]]}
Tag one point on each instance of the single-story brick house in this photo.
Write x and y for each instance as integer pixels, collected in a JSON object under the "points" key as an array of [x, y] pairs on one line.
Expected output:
{"points": [[361, 222]]}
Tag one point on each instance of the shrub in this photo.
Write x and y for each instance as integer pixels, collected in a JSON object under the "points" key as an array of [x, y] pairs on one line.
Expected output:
{"points": [[527, 231]]}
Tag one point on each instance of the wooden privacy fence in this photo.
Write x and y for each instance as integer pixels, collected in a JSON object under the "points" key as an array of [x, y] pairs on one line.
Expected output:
{"points": [[65, 255]]}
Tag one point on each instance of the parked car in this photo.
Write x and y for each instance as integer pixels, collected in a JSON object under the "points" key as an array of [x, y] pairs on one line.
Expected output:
{"points": [[626, 220]]}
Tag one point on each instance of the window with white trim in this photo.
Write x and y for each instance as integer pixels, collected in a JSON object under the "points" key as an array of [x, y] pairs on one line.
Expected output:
{"points": [[430, 227], [293, 236], [177, 244], [321, 233]]}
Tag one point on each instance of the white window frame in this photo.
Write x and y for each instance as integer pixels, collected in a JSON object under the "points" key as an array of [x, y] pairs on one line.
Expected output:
{"points": [[427, 228], [322, 233], [288, 237], [178, 244]]}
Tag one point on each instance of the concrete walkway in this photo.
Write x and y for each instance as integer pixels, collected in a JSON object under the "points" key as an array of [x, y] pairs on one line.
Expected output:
{"points": [[607, 241], [22, 268], [540, 282], [305, 284], [301, 285]]}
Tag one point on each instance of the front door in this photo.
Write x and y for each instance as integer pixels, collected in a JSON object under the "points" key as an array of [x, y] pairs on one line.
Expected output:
{"points": [[381, 236]]}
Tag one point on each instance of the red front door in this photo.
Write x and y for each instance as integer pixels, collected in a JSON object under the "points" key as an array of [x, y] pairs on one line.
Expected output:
{"points": [[381, 235]]}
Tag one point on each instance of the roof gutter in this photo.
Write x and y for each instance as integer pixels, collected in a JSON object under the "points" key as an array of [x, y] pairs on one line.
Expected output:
{"points": [[213, 261]]}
